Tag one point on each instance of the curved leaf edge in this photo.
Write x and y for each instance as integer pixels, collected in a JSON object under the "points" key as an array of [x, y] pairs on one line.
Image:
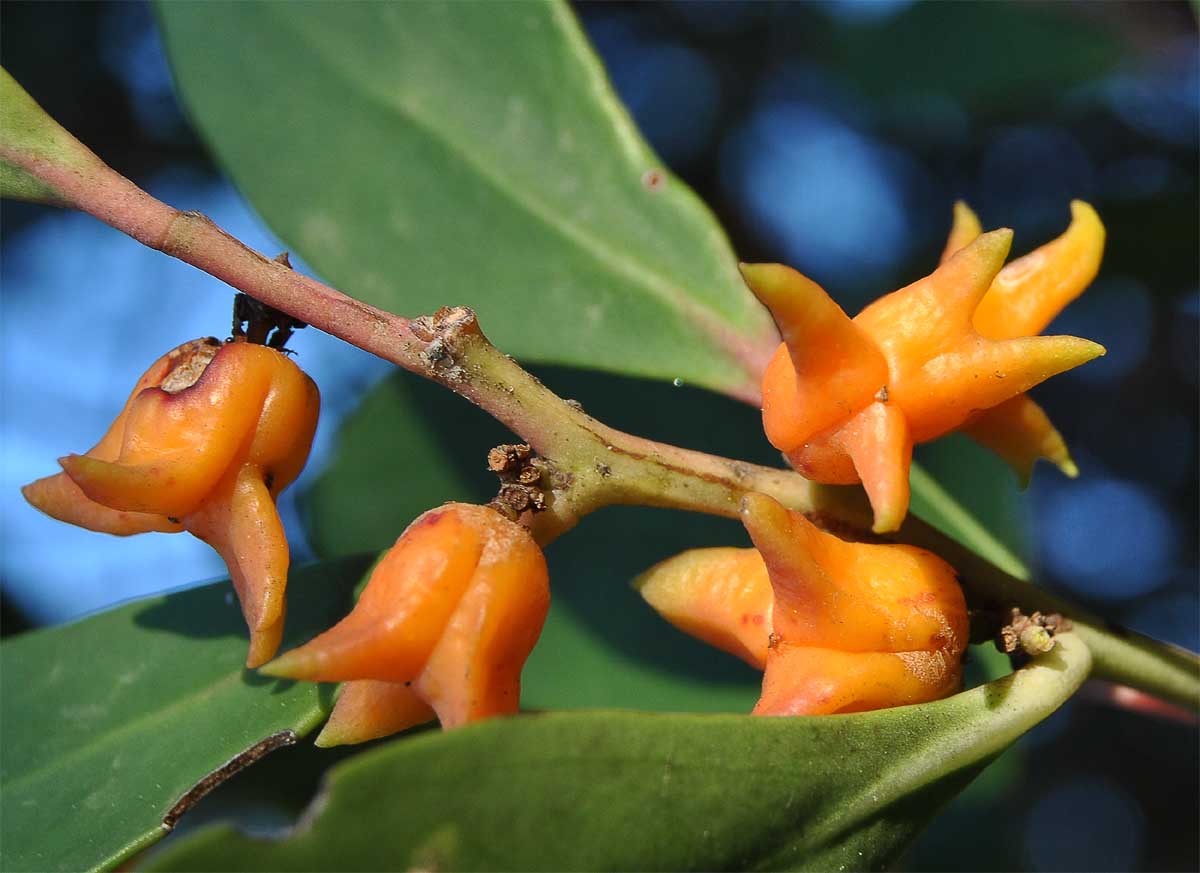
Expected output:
{"points": [[739, 342], [162, 805], [948, 742], [751, 357]]}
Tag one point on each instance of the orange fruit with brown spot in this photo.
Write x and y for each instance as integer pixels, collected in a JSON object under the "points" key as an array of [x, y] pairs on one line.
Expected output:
{"points": [[209, 437], [852, 626]]}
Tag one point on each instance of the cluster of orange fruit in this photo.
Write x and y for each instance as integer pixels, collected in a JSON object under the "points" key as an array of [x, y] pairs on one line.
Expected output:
{"points": [[214, 431]]}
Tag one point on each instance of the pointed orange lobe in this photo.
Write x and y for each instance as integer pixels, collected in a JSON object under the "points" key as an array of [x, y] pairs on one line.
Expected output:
{"points": [[827, 368], [951, 388], [408, 599], [240, 522], [721, 596], [1028, 293], [1020, 432], [932, 315], [1023, 299], [59, 497], [880, 445], [368, 709], [963, 232]]}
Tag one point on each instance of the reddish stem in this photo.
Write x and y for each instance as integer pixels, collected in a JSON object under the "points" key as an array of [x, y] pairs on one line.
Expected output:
{"points": [[195, 239]]}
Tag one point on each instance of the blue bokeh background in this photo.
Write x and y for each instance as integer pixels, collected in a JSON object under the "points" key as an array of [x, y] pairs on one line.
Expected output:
{"points": [[833, 136]]}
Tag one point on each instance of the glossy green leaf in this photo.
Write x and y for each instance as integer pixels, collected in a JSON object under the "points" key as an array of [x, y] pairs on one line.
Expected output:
{"points": [[627, 791], [29, 134], [1059, 51], [111, 722], [426, 154], [934, 503]]}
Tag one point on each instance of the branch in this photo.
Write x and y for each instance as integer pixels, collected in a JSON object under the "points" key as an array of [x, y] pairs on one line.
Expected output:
{"points": [[601, 466], [587, 464]]}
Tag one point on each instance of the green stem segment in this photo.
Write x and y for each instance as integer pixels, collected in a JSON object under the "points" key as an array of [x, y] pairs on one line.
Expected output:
{"points": [[1118, 654], [589, 464], [592, 465], [598, 466]]}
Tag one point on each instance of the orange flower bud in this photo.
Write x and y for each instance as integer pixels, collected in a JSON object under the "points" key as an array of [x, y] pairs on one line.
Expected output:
{"points": [[444, 625], [208, 439], [850, 626], [845, 399]]}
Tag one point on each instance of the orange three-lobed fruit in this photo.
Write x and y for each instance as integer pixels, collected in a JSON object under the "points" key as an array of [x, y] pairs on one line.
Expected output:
{"points": [[845, 399], [209, 437], [443, 627], [848, 626]]}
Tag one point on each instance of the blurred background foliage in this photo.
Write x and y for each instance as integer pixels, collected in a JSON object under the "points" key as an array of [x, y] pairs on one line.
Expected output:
{"points": [[831, 135]]}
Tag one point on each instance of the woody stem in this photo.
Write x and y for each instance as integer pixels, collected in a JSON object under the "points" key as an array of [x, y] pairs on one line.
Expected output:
{"points": [[589, 465], [603, 466], [593, 465]]}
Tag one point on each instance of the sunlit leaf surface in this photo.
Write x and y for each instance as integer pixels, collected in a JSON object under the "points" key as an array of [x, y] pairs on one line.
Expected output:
{"points": [[426, 154]]}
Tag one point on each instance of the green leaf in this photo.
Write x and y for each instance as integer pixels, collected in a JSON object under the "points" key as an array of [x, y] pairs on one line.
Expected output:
{"points": [[427, 154], [604, 790], [28, 134], [973, 64], [16, 184], [933, 503], [396, 457], [112, 722]]}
